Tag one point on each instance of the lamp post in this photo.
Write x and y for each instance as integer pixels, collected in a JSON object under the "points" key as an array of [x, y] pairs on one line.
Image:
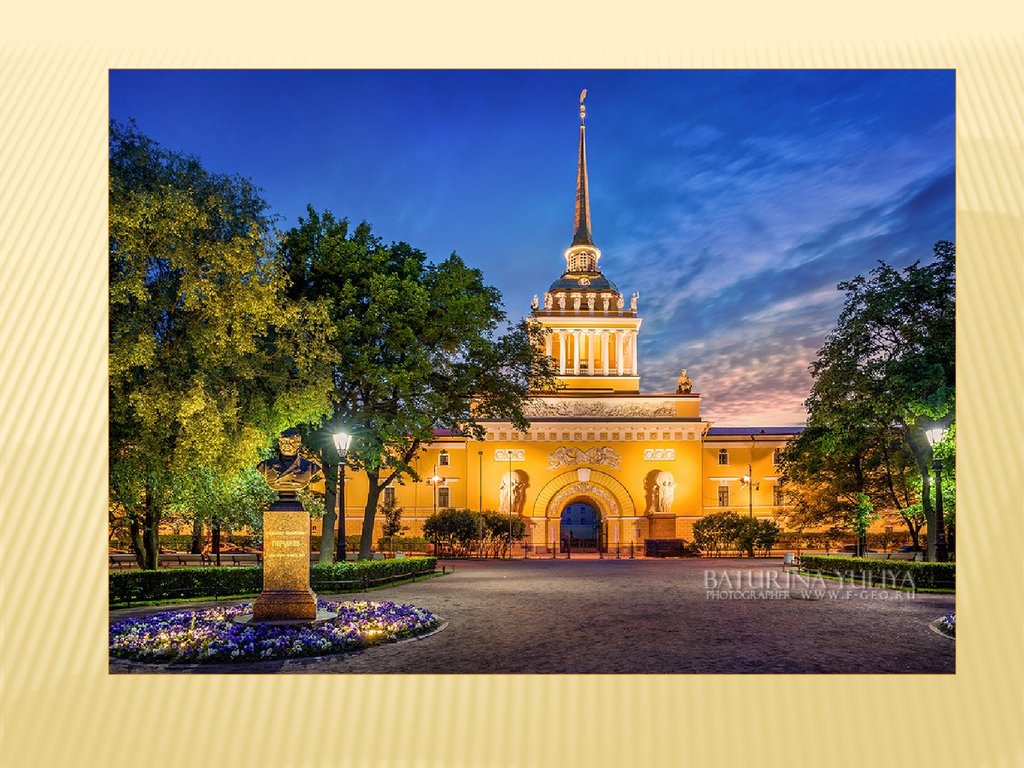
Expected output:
{"points": [[342, 441], [480, 502], [935, 435], [747, 480], [509, 494], [435, 480]]}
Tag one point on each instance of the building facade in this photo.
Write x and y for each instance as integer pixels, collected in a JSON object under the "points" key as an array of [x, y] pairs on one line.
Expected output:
{"points": [[599, 456]]}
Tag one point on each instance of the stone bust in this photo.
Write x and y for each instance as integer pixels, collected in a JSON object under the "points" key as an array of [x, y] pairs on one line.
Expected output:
{"points": [[288, 472]]}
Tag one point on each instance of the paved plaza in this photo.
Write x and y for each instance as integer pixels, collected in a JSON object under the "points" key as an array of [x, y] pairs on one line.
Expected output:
{"points": [[584, 616]]}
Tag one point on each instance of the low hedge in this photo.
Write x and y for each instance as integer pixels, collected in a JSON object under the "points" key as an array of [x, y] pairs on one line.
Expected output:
{"points": [[900, 573], [169, 583], [127, 587], [368, 570]]}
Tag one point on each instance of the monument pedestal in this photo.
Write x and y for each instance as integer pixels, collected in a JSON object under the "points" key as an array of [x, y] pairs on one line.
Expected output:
{"points": [[286, 594]]}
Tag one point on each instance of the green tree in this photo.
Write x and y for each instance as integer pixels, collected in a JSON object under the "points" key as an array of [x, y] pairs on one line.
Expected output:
{"points": [[417, 348], [883, 376], [208, 360], [392, 514]]}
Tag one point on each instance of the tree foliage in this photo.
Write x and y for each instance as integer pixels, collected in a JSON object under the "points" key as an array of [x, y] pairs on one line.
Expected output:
{"points": [[722, 532], [884, 375], [417, 346], [208, 360], [460, 532]]}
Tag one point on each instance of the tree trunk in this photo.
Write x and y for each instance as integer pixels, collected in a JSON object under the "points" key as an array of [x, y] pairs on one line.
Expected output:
{"points": [[922, 453], [145, 532], [197, 536], [369, 513], [151, 538], [327, 539]]}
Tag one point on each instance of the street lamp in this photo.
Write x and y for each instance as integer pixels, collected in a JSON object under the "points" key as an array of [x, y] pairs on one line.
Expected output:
{"points": [[434, 480], [342, 441], [480, 501], [935, 435], [511, 485], [747, 481]]}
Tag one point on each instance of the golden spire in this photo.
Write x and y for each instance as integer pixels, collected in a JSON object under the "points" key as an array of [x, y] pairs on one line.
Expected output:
{"points": [[582, 234]]}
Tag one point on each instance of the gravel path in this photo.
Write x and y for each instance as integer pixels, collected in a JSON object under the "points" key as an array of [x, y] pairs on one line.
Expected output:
{"points": [[639, 617]]}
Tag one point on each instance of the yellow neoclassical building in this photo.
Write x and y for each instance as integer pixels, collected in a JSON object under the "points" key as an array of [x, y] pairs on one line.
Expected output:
{"points": [[600, 459]]}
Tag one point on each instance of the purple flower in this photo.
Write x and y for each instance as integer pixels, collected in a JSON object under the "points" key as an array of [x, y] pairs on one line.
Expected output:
{"points": [[189, 637]]}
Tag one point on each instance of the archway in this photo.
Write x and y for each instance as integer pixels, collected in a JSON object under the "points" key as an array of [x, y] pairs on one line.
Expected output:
{"points": [[581, 526], [613, 504]]}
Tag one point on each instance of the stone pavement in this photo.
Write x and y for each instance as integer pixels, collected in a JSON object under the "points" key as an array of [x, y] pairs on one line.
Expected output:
{"points": [[639, 617]]}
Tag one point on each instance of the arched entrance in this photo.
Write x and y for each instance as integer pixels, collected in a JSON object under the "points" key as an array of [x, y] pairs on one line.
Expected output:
{"points": [[615, 510], [581, 527]]}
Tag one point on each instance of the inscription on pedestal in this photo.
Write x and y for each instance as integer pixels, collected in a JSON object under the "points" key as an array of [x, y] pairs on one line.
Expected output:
{"points": [[286, 594]]}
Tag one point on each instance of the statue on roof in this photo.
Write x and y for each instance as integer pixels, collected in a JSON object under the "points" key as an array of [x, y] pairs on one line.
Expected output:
{"points": [[684, 386]]}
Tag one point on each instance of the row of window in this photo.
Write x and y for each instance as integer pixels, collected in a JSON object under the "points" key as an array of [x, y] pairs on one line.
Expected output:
{"points": [[778, 497], [444, 496], [723, 456]]}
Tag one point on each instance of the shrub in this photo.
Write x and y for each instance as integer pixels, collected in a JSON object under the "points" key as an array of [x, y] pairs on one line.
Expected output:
{"points": [[903, 572], [172, 583], [457, 532], [402, 544], [368, 571], [723, 531]]}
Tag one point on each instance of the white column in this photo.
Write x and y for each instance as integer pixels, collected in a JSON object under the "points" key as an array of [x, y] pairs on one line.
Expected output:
{"points": [[618, 351], [547, 344], [576, 353], [633, 340], [591, 338], [561, 352], [606, 349]]}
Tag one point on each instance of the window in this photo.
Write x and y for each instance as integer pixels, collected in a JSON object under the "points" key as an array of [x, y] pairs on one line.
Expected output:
{"points": [[723, 456], [389, 495], [443, 498], [777, 456], [723, 495], [778, 497], [442, 459]]}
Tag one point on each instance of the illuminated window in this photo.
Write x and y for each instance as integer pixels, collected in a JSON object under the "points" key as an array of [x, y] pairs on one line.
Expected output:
{"points": [[723, 495], [389, 494], [443, 498], [723, 456], [442, 459], [777, 456], [778, 497]]}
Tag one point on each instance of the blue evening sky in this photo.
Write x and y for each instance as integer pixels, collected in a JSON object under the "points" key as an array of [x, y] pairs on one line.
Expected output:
{"points": [[732, 201]]}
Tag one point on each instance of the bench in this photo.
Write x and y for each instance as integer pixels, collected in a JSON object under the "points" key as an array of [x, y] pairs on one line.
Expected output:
{"points": [[183, 558], [894, 555], [120, 561], [243, 558]]}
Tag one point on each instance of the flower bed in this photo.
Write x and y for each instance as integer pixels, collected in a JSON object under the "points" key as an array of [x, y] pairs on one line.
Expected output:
{"points": [[947, 624], [194, 637]]}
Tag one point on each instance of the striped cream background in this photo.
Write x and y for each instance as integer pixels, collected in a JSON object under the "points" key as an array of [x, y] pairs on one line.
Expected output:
{"points": [[60, 707]]}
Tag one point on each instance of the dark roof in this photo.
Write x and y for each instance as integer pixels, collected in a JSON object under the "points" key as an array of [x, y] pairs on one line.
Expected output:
{"points": [[753, 431], [598, 282], [447, 433]]}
